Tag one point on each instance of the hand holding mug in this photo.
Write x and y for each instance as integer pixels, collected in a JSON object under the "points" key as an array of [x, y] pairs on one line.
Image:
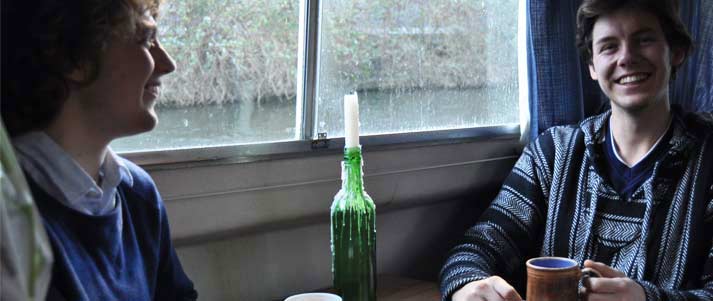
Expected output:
{"points": [[612, 285], [490, 289], [555, 278]]}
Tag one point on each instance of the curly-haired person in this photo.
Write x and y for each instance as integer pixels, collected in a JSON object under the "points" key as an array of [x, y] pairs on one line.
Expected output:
{"points": [[77, 74]]}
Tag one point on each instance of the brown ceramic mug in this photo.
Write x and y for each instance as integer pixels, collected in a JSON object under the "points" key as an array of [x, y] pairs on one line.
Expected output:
{"points": [[555, 279]]}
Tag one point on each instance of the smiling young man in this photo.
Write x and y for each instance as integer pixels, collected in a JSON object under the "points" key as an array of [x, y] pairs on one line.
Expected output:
{"points": [[77, 75], [628, 193]]}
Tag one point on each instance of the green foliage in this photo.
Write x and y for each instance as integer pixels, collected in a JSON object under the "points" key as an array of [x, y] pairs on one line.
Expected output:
{"points": [[404, 44], [229, 50]]}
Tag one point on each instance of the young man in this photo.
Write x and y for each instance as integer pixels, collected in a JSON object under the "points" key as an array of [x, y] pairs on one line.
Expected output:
{"points": [[77, 75], [628, 193]]}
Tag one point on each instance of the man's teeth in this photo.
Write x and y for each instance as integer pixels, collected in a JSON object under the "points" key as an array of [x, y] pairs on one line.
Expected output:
{"points": [[632, 78]]}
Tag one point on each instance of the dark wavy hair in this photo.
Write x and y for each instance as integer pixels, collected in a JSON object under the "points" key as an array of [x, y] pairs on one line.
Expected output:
{"points": [[665, 10], [46, 40]]}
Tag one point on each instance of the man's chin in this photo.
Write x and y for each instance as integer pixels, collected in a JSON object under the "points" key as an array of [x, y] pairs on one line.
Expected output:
{"points": [[152, 121], [145, 124], [634, 105]]}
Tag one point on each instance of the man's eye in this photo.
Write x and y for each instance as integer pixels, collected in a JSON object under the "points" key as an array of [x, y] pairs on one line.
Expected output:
{"points": [[146, 37], [147, 41], [646, 40], [607, 48]]}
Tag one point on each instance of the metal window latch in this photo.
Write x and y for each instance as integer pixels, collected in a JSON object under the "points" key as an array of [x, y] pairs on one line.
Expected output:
{"points": [[321, 141]]}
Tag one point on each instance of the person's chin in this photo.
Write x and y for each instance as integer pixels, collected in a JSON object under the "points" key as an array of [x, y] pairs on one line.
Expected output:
{"points": [[146, 122], [152, 119], [634, 103], [151, 115]]}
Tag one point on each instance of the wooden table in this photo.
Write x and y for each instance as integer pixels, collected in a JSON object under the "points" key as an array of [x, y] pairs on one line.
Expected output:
{"points": [[396, 288], [393, 288]]}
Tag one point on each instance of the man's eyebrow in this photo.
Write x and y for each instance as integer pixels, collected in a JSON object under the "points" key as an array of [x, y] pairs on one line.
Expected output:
{"points": [[146, 24], [146, 28], [643, 30], [604, 40], [149, 26]]}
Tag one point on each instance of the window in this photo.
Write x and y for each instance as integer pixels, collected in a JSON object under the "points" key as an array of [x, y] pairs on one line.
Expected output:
{"points": [[417, 65], [235, 81]]}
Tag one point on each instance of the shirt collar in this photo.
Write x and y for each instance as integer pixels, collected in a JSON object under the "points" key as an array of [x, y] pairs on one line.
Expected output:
{"points": [[59, 174], [118, 169], [46, 159]]}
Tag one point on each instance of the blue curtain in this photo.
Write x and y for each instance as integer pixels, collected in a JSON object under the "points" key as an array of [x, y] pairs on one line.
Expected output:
{"points": [[693, 87], [560, 89]]}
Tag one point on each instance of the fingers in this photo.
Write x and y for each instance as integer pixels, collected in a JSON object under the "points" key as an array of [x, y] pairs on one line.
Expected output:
{"points": [[599, 297], [620, 288], [490, 289], [606, 285], [504, 289], [475, 291], [605, 270], [634, 296]]}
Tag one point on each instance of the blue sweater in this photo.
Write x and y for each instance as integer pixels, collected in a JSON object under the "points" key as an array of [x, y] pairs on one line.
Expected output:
{"points": [[124, 255]]}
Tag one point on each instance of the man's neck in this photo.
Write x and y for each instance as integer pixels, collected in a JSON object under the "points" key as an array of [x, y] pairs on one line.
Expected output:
{"points": [[636, 133], [80, 143]]}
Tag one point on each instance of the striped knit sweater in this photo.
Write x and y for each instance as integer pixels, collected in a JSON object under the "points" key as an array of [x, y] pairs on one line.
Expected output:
{"points": [[556, 202]]}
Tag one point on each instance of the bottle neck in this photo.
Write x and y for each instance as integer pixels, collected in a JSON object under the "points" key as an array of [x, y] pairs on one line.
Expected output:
{"points": [[352, 170]]}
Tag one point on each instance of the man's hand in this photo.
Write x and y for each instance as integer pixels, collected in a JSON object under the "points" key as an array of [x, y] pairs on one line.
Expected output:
{"points": [[613, 285], [489, 289]]}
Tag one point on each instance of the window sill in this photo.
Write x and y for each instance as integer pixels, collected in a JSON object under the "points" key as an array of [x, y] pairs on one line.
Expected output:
{"points": [[217, 199], [248, 153]]}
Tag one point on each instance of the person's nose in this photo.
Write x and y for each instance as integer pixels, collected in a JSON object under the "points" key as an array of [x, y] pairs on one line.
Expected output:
{"points": [[629, 55], [164, 62]]}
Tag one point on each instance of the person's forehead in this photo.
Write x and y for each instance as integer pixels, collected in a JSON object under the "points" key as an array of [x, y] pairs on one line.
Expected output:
{"points": [[625, 21]]}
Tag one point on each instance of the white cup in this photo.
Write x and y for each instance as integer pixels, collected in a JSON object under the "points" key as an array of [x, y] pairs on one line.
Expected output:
{"points": [[314, 297]]}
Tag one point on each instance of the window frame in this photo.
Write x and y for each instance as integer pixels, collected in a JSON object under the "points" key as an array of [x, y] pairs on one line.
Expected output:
{"points": [[309, 143]]}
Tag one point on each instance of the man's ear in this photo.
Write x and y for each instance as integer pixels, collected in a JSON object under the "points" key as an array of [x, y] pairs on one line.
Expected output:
{"points": [[79, 74], [592, 72], [677, 56]]}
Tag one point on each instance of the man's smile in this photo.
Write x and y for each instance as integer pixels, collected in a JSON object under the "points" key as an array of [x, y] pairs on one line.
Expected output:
{"points": [[632, 79]]}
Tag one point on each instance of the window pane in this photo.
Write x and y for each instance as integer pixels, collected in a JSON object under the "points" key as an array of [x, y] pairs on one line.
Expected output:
{"points": [[418, 64], [236, 76]]}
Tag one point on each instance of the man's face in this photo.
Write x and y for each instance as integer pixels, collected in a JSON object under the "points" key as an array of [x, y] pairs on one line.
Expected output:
{"points": [[631, 59], [121, 100]]}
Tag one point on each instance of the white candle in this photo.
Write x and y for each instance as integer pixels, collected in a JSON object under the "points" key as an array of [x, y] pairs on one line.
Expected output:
{"points": [[351, 120]]}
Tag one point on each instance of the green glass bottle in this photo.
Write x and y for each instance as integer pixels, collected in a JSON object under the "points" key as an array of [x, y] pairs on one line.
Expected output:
{"points": [[353, 219]]}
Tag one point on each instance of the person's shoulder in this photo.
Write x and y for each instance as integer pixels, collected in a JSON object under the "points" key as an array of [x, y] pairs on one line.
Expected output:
{"points": [[563, 130], [699, 124], [558, 135], [699, 119], [141, 184], [555, 140], [588, 128], [138, 174]]}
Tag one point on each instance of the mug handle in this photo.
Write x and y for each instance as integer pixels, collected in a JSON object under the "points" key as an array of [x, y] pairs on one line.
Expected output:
{"points": [[590, 273], [587, 273]]}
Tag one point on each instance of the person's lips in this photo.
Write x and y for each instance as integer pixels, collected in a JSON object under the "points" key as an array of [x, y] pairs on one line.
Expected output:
{"points": [[632, 78], [153, 89]]}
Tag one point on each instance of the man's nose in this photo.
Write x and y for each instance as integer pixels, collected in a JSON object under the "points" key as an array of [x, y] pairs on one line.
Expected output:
{"points": [[164, 62], [629, 55]]}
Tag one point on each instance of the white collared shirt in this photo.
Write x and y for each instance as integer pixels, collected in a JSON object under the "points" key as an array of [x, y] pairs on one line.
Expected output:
{"points": [[56, 172]]}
